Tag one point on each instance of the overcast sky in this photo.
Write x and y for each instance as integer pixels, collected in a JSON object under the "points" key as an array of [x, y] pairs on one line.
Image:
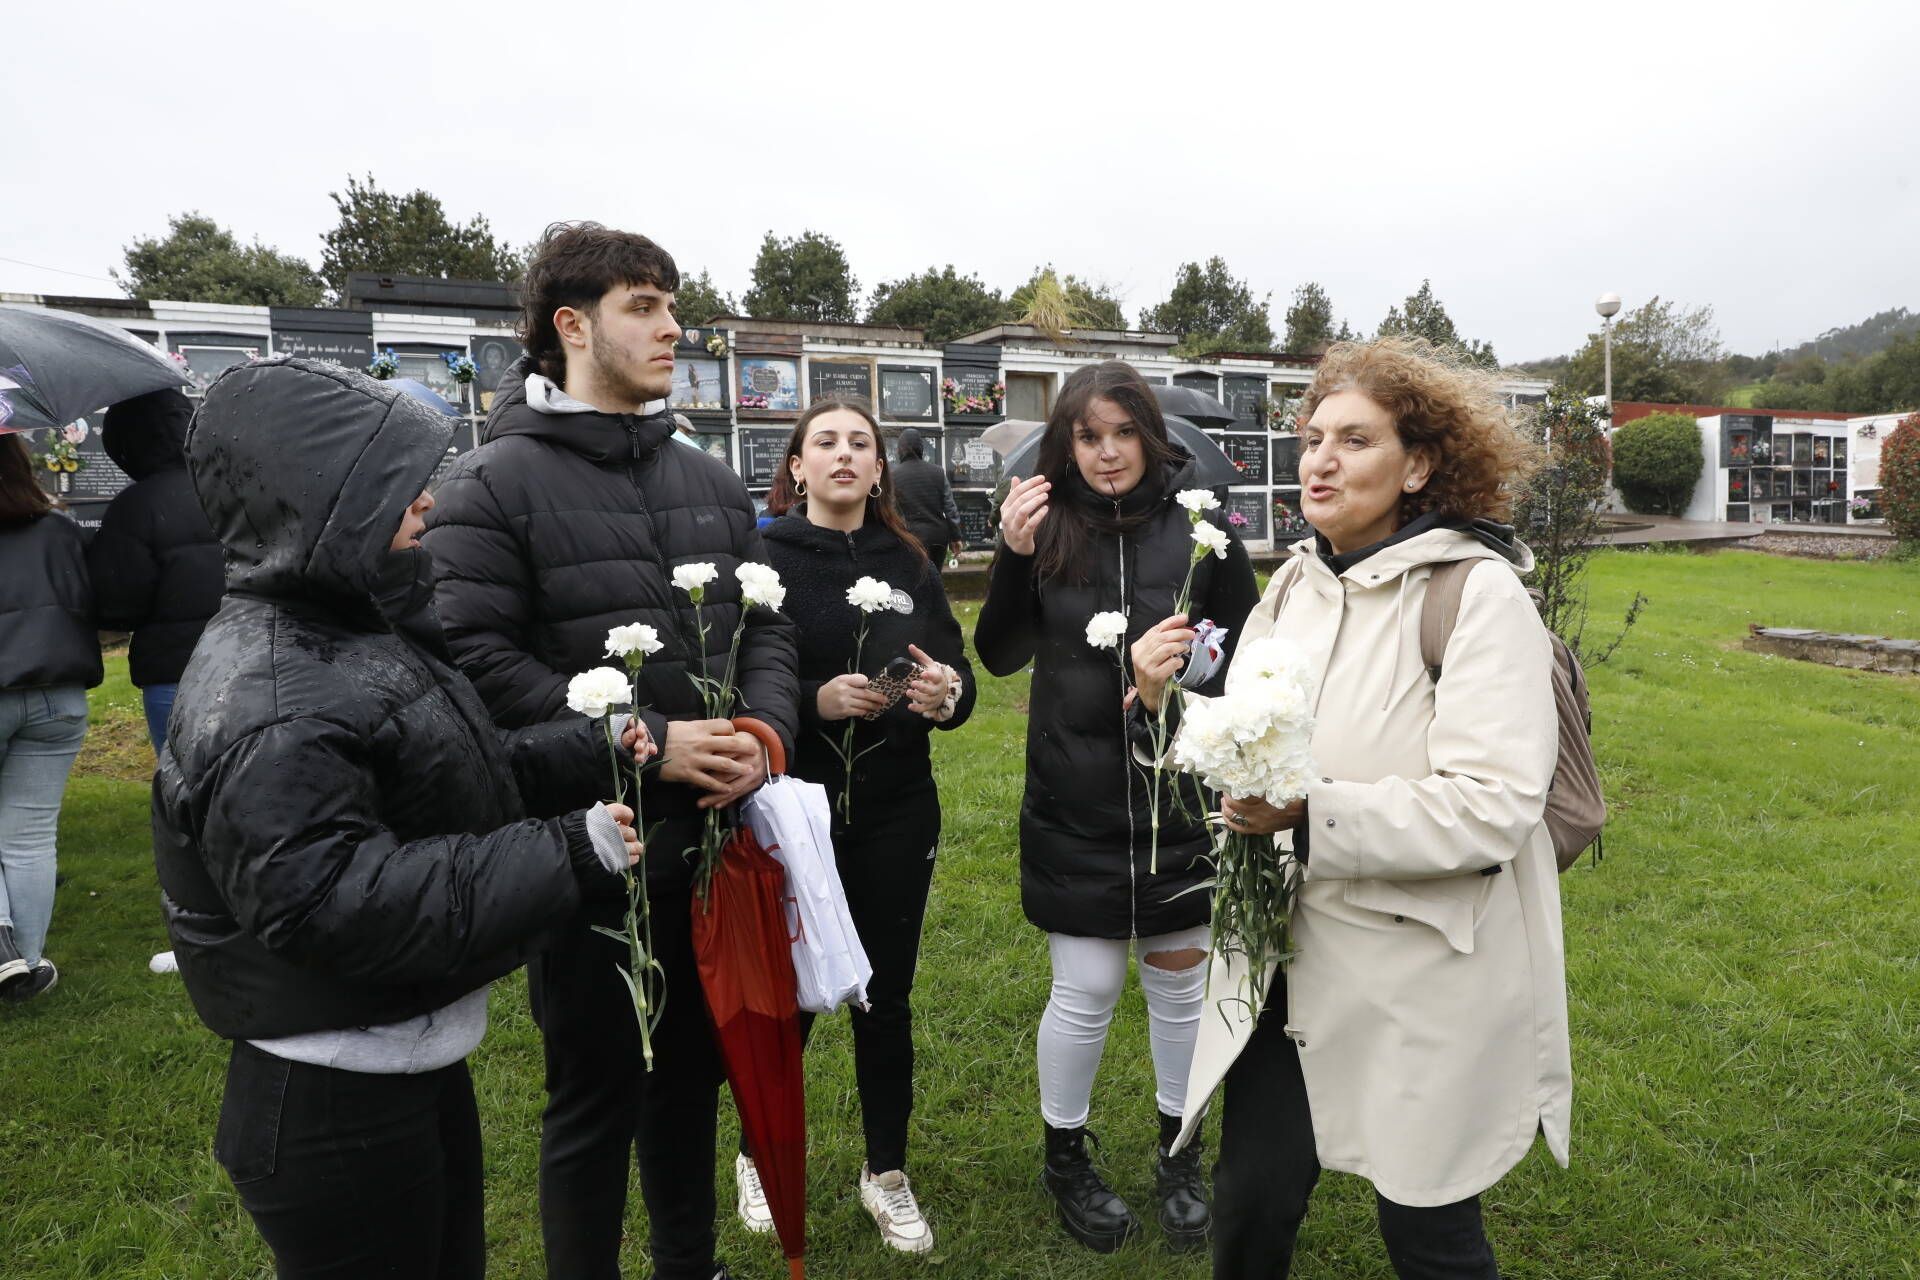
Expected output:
{"points": [[1763, 159]]}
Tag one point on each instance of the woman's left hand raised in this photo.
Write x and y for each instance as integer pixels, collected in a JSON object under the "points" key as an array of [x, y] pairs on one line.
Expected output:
{"points": [[1255, 817], [928, 692]]}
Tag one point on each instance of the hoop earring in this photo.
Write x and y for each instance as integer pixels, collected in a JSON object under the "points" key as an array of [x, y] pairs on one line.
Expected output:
{"points": [[800, 489], [875, 492]]}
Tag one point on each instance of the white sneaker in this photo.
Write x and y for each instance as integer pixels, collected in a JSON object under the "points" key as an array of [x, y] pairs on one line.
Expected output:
{"points": [[751, 1198], [889, 1198]]}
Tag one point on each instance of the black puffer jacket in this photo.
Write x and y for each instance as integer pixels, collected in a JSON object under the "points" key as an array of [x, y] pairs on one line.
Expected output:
{"points": [[157, 568], [1086, 821], [337, 823], [921, 491], [817, 566], [565, 525], [46, 606]]}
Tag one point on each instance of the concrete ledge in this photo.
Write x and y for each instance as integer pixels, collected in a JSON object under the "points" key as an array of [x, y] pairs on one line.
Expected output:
{"points": [[1860, 653]]}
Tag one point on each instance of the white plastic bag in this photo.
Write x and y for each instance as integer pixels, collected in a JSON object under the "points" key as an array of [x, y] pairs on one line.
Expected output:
{"points": [[792, 821]]}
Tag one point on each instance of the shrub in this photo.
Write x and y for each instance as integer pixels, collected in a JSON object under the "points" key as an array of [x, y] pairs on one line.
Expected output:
{"points": [[1657, 462], [1900, 479]]}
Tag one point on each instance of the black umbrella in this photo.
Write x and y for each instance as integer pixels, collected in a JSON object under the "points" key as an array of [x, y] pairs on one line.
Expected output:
{"points": [[1211, 465], [56, 366], [1194, 406]]}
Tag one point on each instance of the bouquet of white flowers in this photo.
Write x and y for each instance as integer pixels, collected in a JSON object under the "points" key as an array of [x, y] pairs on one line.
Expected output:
{"points": [[1255, 741]]}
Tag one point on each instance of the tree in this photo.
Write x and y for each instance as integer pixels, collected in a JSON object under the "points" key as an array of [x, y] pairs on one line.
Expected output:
{"points": [[1211, 311], [1425, 317], [806, 277], [1086, 306], [1310, 328], [1661, 353], [698, 300], [1900, 480], [409, 235], [1559, 511], [200, 261], [1656, 463], [939, 300]]}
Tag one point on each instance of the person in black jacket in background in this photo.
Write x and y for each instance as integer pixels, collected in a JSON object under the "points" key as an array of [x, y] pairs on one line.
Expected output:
{"points": [[925, 499], [344, 855], [1097, 529], [837, 524], [155, 563], [49, 658], [570, 520]]}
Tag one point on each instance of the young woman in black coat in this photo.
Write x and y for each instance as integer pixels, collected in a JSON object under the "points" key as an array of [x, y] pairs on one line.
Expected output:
{"points": [[1097, 529], [837, 524]]}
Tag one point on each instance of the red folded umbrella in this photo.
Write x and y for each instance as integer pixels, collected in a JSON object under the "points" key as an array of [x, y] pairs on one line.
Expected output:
{"points": [[744, 952]]}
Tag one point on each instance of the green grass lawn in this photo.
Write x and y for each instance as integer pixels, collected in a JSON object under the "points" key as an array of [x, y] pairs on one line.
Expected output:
{"points": [[1744, 970]]}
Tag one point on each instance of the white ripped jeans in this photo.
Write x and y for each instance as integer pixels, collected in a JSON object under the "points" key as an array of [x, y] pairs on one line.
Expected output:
{"points": [[1088, 976]]}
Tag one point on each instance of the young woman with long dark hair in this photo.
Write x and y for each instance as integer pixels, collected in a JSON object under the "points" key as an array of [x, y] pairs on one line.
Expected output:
{"points": [[837, 523], [1097, 529]]}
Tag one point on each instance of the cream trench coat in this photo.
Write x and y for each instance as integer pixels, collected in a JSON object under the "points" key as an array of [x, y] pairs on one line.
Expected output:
{"points": [[1428, 999]]}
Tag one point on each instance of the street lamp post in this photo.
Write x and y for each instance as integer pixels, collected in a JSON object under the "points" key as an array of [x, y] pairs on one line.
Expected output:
{"points": [[1608, 305]]}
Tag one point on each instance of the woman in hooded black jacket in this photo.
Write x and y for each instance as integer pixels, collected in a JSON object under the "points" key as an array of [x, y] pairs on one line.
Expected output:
{"points": [[838, 525], [1097, 529], [344, 858]]}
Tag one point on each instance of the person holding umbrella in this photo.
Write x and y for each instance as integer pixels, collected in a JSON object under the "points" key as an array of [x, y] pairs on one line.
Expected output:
{"points": [[1097, 529], [49, 658], [837, 525]]}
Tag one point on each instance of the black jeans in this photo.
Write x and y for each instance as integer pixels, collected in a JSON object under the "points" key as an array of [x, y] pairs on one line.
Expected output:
{"points": [[1268, 1166], [886, 867], [349, 1174], [602, 1105]]}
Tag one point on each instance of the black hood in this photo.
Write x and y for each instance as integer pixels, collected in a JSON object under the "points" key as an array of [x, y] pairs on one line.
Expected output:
{"points": [[305, 470], [911, 445], [601, 437], [148, 433]]}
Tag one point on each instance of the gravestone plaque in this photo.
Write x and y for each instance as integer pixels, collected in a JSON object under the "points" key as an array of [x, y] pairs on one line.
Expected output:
{"points": [[1207, 382], [1249, 455], [761, 449], [493, 355], [971, 461], [975, 529], [1246, 399], [99, 479], [1285, 461], [322, 333], [906, 393], [833, 380], [1247, 514], [972, 388], [768, 384]]}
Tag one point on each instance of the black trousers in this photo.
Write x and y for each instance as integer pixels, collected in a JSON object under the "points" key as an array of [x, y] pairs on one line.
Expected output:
{"points": [[348, 1174], [1268, 1167], [886, 866], [603, 1106], [937, 555]]}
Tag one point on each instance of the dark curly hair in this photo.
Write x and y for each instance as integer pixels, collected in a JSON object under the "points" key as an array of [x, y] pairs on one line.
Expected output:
{"points": [[574, 265]]}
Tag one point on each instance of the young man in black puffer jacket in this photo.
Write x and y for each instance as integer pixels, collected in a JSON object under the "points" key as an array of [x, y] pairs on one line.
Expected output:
{"points": [[345, 860], [570, 520], [155, 564]]}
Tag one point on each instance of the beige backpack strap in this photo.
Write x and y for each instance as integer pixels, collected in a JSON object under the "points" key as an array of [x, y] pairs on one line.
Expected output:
{"points": [[1290, 576], [1441, 611]]}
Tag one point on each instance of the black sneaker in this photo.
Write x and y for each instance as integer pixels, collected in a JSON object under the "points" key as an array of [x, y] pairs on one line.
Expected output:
{"points": [[13, 966], [39, 980]]}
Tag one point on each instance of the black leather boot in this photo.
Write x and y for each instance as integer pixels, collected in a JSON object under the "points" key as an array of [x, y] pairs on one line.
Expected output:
{"points": [[1089, 1209], [1184, 1213]]}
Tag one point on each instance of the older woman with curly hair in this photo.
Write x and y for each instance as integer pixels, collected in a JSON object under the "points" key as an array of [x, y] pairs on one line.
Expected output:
{"points": [[1418, 1037]]}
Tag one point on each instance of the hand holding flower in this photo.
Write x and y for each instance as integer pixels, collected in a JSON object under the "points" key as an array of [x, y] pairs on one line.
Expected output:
{"points": [[749, 763], [637, 742], [1158, 655], [702, 753], [1255, 817], [623, 818]]}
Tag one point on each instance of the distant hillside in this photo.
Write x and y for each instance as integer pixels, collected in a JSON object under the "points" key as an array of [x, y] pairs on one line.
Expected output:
{"points": [[1863, 339]]}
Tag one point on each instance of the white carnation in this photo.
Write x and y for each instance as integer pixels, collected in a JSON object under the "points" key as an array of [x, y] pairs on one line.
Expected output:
{"points": [[1105, 630], [633, 639], [592, 693], [870, 595], [1209, 537], [1197, 500], [693, 578], [760, 584], [1257, 739]]}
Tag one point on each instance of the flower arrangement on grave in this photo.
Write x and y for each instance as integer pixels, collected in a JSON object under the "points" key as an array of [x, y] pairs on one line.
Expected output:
{"points": [[460, 365], [1860, 508], [1238, 519], [1286, 521], [754, 400], [959, 401], [1760, 452], [717, 346], [384, 365], [1281, 414], [63, 451]]}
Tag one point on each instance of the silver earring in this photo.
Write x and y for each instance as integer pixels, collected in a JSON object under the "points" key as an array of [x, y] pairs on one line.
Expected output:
{"points": [[800, 489]]}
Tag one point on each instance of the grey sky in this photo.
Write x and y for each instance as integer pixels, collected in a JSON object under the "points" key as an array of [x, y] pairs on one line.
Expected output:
{"points": [[1759, 158]]}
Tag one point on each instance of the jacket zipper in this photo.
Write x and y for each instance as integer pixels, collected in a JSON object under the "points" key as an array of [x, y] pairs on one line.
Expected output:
{"points": [[689, 641], [1126, 760]]}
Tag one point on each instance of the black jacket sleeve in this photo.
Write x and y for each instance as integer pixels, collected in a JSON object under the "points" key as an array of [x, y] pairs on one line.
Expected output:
{"points": [[944, 643], [1008, 632], [951, 509], [121, 563], [564, 766], [1232, 592], [294, 843]]}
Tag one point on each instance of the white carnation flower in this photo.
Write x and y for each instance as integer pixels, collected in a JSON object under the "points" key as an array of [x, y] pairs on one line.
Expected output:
{"points": [[760, 584], [1257, 740], [1197, 500], [870, 595], [693, 578], [1105, 630], [633, 640], [592, 693], [1209, 537]]}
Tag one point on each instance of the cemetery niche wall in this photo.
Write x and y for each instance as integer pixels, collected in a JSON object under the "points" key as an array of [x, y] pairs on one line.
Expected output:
{"points": [[1772, 469]]}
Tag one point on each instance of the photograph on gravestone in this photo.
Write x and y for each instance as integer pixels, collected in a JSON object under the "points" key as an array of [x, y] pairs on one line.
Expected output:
{"points": [[95, 479], [493, 355], [761, 449], [425, 363], [768, 384], [971, 461], [1248, 454], [976, 528], [906, 393], [716, 445], [1246, 399], [699, 385], [1247, 515], [840, 380], [208, 355]]}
